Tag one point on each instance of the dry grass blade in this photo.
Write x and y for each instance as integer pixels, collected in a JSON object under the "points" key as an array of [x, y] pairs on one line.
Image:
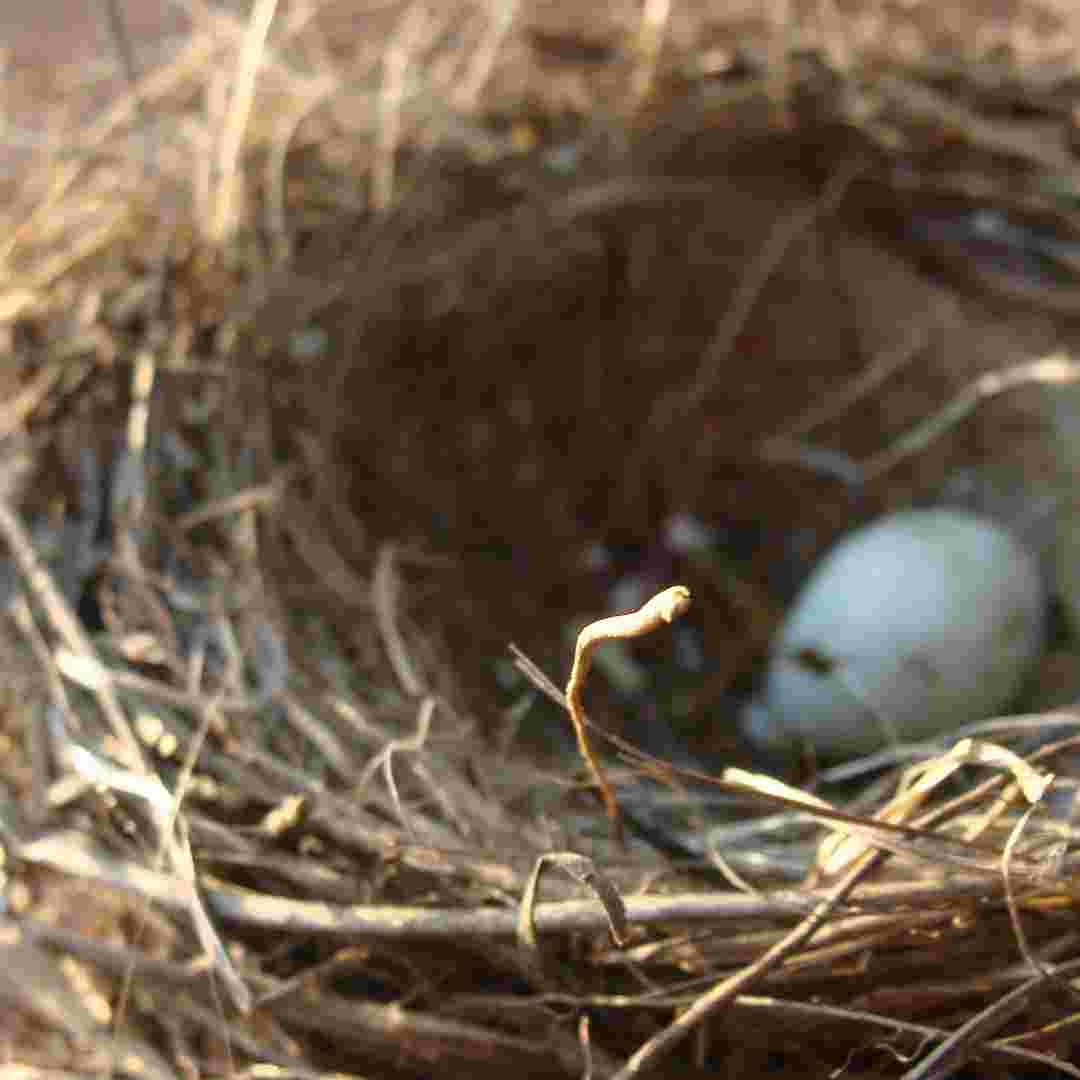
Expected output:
{"points": [[650, 39], [384, 595], [1055, 369], [1010, 896], [224, 217], [917, 784], [482, 62], [415, 30], [580, 869]]}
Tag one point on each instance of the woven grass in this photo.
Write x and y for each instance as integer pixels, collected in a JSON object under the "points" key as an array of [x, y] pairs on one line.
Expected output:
{"points": [[334, 342]]}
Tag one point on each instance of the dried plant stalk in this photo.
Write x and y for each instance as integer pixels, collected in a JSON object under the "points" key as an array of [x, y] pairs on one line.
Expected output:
{"points": [[662, 608]]}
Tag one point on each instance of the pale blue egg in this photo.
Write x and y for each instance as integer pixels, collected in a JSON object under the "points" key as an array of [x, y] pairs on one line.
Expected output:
{"points": [[911, 627]]}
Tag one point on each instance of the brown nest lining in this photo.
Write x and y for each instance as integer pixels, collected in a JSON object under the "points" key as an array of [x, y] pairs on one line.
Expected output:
{"points": [[624, 273]]}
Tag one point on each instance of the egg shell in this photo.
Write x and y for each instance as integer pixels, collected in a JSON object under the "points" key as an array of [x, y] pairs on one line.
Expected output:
{"points": [[911, 627]]}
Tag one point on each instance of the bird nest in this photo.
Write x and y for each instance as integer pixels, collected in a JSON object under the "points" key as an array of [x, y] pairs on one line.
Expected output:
{"points": [[340, 344]]}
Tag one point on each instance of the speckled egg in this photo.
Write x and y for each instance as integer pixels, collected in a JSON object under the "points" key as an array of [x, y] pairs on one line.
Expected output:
{"points": [[911, 627]]}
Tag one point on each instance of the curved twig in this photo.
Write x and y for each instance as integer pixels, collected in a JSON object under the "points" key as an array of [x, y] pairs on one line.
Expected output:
{"points": [[661, 609]]}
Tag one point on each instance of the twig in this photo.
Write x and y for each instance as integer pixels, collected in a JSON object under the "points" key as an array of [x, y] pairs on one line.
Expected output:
{"points": [[250, 498], [483, 55], [655, 15], [129, 490], [1022, 942], [406, 42], [321, 735], [838, 849], [402, 1040], [962, 1043], [17, 409], [173, 848], [661, 609], [910, 841], [73, 853], [819, 1011], [384, 597], [583, 870], [223, 219], [284, 132], [724, 992], [1000, 726], [1055, 369], [65, 623], [384, 759], [46, 746], [882, 365], [920, 102]]}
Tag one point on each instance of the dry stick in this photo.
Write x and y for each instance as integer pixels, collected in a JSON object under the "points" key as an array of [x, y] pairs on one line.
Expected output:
{"points": [[44, 742], [818, 1011], [155, 86], [1022, 942], [250, 498], [661, 609], [897, 838], [276, 216], [408, 40], [962, 1043], [482, 61], [1054, 369], [143, 376], [384, 596], [655, 15], [921, 103], [583, 870], [73, 854], [383, 760], [726, 991], [17, 409], [997, 1014], [223, 218], [65, 623]]}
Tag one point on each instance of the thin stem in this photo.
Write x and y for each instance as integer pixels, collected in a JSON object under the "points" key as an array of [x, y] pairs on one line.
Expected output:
{"points": [[661, 609]]}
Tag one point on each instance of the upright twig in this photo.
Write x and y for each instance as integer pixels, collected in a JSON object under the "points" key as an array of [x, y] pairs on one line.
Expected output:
{"points": [[661, 609], [223, 218]]}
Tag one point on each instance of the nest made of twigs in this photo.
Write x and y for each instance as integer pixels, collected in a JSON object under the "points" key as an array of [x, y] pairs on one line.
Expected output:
{"points": [[334, 343]]}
